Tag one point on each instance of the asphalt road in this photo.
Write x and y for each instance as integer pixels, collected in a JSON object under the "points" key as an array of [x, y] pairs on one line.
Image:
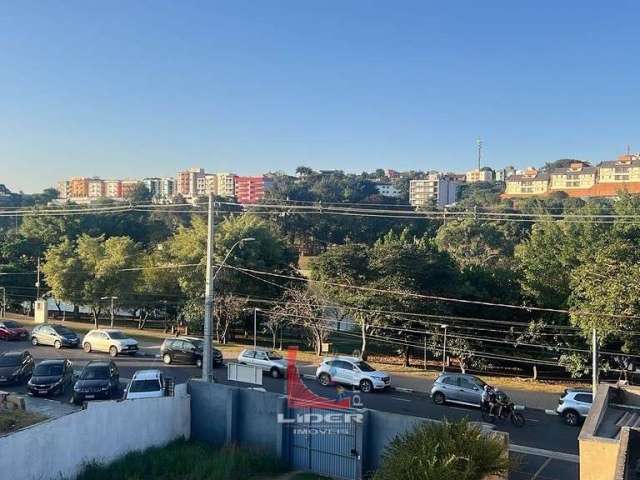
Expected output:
{"points": [[541, 431]]}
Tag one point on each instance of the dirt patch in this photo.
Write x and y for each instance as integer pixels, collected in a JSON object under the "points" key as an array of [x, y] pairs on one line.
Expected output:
{"points": [[12, 420]]}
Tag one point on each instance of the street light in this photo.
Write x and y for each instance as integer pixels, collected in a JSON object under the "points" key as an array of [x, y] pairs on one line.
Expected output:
{"points": [[208, 304], [112, 299], [444, 346], [255, 324]]}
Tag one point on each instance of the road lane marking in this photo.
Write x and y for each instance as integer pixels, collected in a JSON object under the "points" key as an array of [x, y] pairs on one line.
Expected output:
{"points": [[400, 399], [539, 471], [566, 457]]}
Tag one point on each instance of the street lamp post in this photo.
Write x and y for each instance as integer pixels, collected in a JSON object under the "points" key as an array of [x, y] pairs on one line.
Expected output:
{"points": [[4, 301], [112, 299], [444, 346], [255, 324], [209, 294]]}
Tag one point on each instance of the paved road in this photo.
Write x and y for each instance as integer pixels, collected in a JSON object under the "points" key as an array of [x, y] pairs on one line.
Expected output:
{"points": [[541, 431]]}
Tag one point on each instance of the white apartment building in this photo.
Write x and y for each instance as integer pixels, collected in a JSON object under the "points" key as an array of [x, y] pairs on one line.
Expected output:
{"points": [[387, 189], [438, 188], [95, 188], [504, 173], [211, 184], [226, 184], [188, 182], [113, 188]]}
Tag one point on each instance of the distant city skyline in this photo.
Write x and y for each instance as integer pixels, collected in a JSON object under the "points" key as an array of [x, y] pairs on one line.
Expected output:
{"points": [[149, 88]]}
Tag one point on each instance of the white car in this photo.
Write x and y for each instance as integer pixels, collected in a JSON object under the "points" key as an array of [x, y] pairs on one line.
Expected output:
{"points": [[146, 384], [267, 360], [353, 372], [109, 340]]}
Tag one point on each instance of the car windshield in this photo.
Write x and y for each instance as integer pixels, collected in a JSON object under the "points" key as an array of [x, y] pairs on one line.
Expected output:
{"points": [[62, 330], [10, 361], [365, 367], [48, 370], [11, 324], [95, 373], [274, 356], [117, 335], [152, 385]]}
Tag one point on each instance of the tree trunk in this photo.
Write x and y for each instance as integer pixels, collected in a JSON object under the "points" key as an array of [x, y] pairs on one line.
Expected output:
{"points": [[535, 372], [407, 355], [95, 317], [274, 334], [363, 348], [58, 303], [143, 321], [76, 311]]}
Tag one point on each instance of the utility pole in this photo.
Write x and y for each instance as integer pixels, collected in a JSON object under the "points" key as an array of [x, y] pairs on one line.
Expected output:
{"points": [[38, 281], [425, 350], [208, 299], [444, 346], [479, 152], [112, 298], [4, 301], [594, 366]]}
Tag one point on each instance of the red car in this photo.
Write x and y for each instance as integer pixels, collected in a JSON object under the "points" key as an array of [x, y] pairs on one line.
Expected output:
{"points": [[10, 330]]}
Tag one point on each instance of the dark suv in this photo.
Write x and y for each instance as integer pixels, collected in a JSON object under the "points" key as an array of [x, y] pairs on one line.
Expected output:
{"points": [[51, 377], [98, 380], [187, 350], [15, 367]]}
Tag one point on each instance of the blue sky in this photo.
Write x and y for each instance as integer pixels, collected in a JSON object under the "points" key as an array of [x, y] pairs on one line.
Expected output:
{"points": [[136, 88]]}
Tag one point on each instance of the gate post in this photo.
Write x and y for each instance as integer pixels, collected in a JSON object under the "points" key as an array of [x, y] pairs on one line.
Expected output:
{"points": [[362, 444]]}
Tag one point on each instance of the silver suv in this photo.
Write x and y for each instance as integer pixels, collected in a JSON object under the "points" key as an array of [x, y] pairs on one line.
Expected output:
{"points": [[574, 405], [267, 360], [457, 388], [352, 371]]}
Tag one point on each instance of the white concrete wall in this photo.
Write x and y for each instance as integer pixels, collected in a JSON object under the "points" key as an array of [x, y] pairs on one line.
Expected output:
{"points": [[103, 432]]}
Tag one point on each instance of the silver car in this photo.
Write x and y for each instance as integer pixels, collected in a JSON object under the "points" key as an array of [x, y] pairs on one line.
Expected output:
{"points": [[574, 405], [267, 360], [457, 388]]}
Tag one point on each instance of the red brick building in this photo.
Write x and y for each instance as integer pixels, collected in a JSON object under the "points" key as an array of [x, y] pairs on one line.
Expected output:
{"points": [[251, 189]]}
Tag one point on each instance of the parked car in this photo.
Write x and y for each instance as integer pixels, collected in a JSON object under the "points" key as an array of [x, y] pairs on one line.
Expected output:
{"points": [[458, 388], [352, 371], [267, 360], [187, 350], [574, 405], [98, 380], [51, 377], [57, 335], [15, 367], [109, 340], [11, 330], [146, 384]]}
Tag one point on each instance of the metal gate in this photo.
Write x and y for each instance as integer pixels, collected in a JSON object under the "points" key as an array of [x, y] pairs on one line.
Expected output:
{"points": [[326, 442]]}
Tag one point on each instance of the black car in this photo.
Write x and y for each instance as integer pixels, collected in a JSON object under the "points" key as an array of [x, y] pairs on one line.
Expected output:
{"points": [[98, 380], [187, 350], [51, 377], [57, 335], [15, 367]]}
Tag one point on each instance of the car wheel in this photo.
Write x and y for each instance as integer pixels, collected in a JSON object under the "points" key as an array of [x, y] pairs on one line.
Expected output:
{"points": [[199, 363], [324, 379], [87, 347], [366, 386], [275, 373], [113, 351], [166, 358], [57, 344], [571, 417], [34, 341], [438, 398]]}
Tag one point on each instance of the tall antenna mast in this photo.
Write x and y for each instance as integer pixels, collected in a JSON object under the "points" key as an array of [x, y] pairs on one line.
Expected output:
{"points": [[479, 152], [628, 149]]}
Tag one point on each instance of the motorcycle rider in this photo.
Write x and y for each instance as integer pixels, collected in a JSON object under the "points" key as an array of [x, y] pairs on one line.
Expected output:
{"points": [[489, 398]]}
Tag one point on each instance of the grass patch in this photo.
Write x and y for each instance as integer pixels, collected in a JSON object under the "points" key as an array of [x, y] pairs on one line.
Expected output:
{"points": [[182, 460], [12, 420]]}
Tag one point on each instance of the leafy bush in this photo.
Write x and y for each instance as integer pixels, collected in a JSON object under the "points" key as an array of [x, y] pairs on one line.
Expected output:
{"points": [[437, 451], [183, 460]]}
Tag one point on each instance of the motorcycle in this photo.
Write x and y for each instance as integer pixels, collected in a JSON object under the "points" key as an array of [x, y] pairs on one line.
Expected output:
{"points": [[503, 409]]}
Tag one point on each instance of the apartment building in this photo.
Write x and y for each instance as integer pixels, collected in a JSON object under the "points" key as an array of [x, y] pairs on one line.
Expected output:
{"points": [[128, 186], [387, 189], [578, 175], [64, 189], [503, 173], [530, 182], [435, 188], [625, 169], [211, 184], [190, 182], [95, 188], [79, 187], [226, 184], [484, 174], [251, 189]]}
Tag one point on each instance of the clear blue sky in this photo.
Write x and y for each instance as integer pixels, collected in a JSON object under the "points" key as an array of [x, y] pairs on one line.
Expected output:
{"points": [[136, 88]]}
